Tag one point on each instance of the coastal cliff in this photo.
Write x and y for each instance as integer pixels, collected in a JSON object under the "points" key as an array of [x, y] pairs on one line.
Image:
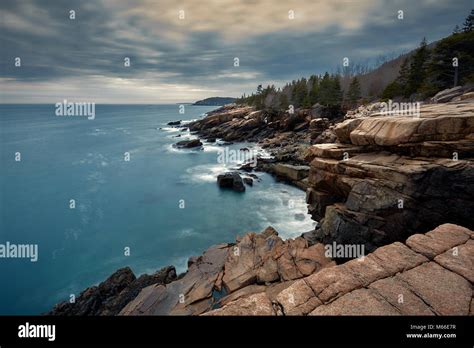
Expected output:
{"points": [[372, 179], [389, 177]]}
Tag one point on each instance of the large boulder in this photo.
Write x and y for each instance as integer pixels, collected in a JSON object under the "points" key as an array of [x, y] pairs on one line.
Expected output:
{"points": [[231, 180], [188, 144]]}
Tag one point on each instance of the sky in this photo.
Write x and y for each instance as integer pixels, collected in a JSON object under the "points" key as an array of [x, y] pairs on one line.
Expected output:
{"points": [[183, 51]]}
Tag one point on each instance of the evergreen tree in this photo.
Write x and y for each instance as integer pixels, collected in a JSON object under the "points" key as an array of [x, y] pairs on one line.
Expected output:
{"points": [[441, 69], [259, 98], [306, 102], [300, 90], [314, 89], [469, 22], [417, 69], [404, 73], [392, 90], [398, 87], [336, 93], [284, 104], [353, 94], [325, 90]]}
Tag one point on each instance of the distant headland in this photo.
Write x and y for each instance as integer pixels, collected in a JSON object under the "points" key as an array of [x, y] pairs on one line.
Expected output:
{"points": [[215, 101]]}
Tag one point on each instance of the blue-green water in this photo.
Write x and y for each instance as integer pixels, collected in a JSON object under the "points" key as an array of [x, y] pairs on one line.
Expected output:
{"points": [[119, 204]]}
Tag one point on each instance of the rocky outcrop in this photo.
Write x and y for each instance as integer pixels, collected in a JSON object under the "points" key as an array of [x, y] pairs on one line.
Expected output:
{"points": [[260, 274], [285, 135], [273, 129], [231, 180], [294, 174], [229, 272], [431, 274], [111, 296], [450, 94], [390, 176]]}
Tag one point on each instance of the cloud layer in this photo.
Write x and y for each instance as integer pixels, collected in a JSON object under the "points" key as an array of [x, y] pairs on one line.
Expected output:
{"points": [[184, 50]]}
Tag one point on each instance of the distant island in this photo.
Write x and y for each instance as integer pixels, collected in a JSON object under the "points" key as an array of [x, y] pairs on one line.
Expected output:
{"points": [[215, 101]]}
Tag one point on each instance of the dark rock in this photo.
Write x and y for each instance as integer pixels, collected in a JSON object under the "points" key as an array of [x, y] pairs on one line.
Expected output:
{"points": [[174, 123], [247, 167], [112, 295], [189, 143], [231, 180], [192, 260], [248, 181]]}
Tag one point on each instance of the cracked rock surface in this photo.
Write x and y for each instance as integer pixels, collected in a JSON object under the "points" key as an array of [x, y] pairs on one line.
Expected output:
{"points": [[397, 279], [429, 274]]}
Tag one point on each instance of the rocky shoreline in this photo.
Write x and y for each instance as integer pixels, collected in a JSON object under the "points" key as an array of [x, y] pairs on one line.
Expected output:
{"points": [[371, 179]]}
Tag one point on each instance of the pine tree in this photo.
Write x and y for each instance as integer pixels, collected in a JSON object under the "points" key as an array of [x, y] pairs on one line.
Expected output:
{"points": [[259, 98], [469, 22], [284, 104], [353, 94], [325, 90], [336, 93], [300, 91], [392, 90], [441, 72], [306, 102], [417, 69], [314, 89], [404, 73]]}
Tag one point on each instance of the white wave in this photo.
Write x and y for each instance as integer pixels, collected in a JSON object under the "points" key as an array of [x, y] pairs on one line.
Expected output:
{"points": [[97, 131], [179, 262], [286, 212], [188, 121], [170, 129], [211, 147], [187, 232], [170, 148], [93, 158], [183, 136], [205, 173]]}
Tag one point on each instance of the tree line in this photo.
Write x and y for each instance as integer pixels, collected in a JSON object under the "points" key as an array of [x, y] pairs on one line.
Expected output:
{"points": [[305, 93], [427, 71], [422, 74]]}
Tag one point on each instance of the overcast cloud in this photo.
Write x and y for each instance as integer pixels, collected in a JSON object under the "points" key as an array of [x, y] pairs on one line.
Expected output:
{"points": [[182, 60]]}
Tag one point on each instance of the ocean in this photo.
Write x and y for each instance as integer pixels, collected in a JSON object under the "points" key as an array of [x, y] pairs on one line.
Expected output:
{"points": [[66, 187]]}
